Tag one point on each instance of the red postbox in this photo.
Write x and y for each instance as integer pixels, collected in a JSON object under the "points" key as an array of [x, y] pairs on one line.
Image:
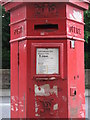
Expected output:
{"points": [[47, 59]]}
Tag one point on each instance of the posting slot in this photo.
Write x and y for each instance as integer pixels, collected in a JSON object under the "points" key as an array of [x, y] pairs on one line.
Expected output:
{"points": [[46, 27]]}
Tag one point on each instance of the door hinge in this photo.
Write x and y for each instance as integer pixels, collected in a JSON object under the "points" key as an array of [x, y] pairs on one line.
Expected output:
{"points": [[18, 58]]}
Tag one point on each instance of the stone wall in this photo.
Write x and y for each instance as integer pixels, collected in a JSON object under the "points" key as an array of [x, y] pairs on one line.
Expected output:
{"points": [[87, 78], [5, 78]]}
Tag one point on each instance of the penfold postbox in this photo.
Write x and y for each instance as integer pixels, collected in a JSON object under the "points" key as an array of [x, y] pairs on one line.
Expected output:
{"points": [[47, 59]]}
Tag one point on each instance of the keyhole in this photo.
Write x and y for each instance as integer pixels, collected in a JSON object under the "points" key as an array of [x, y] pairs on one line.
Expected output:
{"points": [[75, 92]]}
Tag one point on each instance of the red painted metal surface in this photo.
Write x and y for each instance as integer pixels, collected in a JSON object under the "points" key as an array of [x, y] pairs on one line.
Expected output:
{"points": [[76, 81], [14, 80], [47, 27]]}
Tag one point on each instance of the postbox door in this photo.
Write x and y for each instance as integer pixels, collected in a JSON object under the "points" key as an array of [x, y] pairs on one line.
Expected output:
{"points": [[48, 72]]}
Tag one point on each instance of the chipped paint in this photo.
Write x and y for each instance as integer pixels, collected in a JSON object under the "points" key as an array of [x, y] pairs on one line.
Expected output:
{"points": [[24, 46], [82, 114], [83, 106], [64, 98], [44, 90], [73, 111], [21, 104], [16, 104], [55, 107], [84, 94], [80, 95], [46, 99], [37, 115]]}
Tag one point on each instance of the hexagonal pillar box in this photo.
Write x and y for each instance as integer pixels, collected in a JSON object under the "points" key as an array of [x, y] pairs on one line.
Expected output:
{"points": [[47, 59]]}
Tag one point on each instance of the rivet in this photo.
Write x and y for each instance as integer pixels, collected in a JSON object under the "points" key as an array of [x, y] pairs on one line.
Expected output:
{"points": [[77, 76], [74, 77]]}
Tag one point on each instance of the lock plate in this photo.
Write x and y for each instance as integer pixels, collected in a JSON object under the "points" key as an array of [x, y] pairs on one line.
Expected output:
{"points": [[72, 91]]}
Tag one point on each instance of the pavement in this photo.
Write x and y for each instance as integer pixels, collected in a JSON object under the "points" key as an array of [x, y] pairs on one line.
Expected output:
{"points": [[5, 103]]}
